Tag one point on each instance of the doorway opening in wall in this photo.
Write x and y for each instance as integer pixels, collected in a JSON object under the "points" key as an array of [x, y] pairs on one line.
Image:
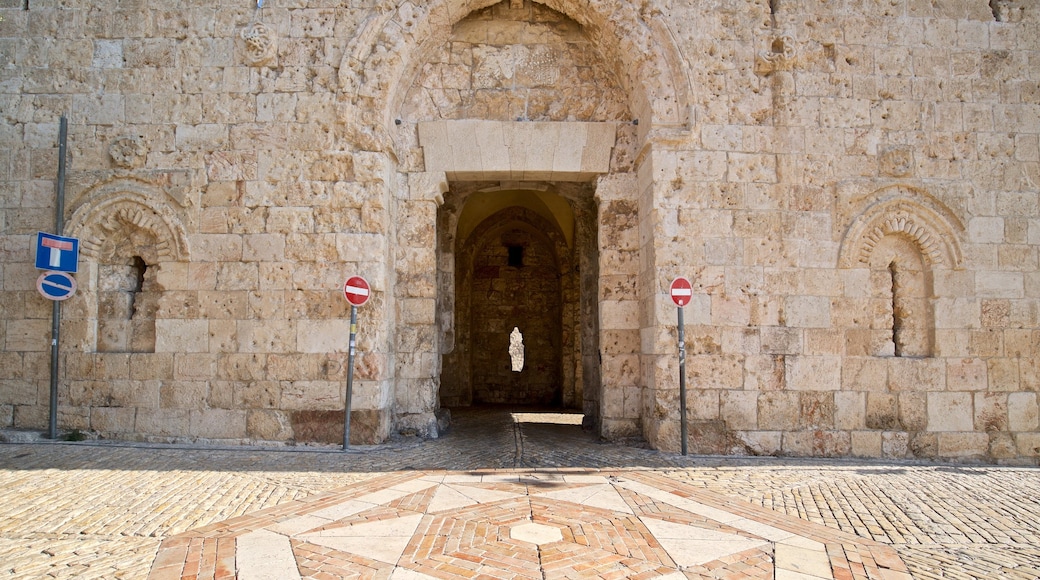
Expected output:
{"points": [[516, 296]]}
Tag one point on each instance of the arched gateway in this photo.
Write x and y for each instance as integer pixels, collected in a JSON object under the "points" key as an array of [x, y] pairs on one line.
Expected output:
{"points": [[516, 132]]}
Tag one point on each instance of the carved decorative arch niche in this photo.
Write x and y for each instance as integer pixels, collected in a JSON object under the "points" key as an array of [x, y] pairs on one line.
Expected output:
{"points": [[129, 205], [914, 215], [126, 232], [901, 239]]}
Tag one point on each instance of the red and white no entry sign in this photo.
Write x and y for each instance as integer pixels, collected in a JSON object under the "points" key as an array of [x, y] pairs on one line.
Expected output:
{"points": [[681, 291], [356, 290]]}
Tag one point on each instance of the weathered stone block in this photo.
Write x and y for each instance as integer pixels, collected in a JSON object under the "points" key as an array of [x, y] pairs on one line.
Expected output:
{"points": [[761, 442], [217, 424], [739, 410], [906, 374], [966, 375], [883, 412], [183, 395], [781, 340], [155, 366], [951, 445], [1023, 412], [322, 336], [764, 373], [701, 405], [779, 411], [269, 425], [27, 335], [310, 395], [850, 410], [895, 444], [808, 311], [113, 421], [267, 336], [813, 373], [195, 366], [950, 412], [867, 443], [181, 336], [991, 412], [913, 411]]}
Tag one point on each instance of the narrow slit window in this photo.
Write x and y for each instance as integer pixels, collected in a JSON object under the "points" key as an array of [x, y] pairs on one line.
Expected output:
{"points": [[516, 256], [897, 320], [137, 270]]}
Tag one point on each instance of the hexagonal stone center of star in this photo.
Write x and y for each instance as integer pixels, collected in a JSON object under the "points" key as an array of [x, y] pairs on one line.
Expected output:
{"points": [[535, 533]]}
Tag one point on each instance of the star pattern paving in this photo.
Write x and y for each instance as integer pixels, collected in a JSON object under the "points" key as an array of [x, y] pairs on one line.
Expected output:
{"points": [[514, 524]]}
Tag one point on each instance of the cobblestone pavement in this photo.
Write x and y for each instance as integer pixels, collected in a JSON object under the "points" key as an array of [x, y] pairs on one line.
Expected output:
{"points": [[101, 510]]}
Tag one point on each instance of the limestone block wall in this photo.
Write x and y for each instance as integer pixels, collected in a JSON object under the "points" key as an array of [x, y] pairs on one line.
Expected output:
{"points": [[857, 207], [220, 208], [851, 186]]}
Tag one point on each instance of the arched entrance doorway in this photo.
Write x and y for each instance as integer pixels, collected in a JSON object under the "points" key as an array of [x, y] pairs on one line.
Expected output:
{"points": [[462, 96], [518, 296]]}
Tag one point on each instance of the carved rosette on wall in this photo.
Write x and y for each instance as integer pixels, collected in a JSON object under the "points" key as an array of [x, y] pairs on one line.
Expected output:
{"points": [[896, 161], [781, 56], [1006, 11], [128, 152], [261, 44]]}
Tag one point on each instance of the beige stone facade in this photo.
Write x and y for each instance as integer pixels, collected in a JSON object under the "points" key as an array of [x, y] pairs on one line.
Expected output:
{"points": [[851, 187]]}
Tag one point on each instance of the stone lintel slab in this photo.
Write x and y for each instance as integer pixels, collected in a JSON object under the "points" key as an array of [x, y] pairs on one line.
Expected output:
{"points": [[526, 151]]}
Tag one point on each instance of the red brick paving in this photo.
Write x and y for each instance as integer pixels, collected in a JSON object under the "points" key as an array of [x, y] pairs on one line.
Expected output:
{"points": [[473, 541]]}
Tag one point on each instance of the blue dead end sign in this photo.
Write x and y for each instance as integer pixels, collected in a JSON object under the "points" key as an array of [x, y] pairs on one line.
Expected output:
{"points": [[56, 285], [57, 253]]}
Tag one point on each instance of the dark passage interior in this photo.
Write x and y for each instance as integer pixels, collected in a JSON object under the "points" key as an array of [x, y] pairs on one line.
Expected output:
{"points": [[515, 317], [518, 334]]}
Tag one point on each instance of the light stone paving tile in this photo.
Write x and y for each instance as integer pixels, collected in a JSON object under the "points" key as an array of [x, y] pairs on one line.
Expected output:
{"points": [[346, 509], [482, 495], [690, 546], [448, 497], [762, 530], [810, 561], [680, 502], [265, 555], [300, 524], [405, 574], [601, 496], [383, 540]]}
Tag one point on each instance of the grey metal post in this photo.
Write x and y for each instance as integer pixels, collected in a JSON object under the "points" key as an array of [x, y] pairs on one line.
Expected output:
{"points": [[59, 225], [682, 380], [350, 376]]}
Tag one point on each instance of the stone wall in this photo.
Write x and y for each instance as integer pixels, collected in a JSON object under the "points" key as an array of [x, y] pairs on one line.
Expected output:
{"points": [[851, 187]]}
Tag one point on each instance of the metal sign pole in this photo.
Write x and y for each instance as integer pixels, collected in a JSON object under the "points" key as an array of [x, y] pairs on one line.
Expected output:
{"points": [[59, 225], [682, 381], [350, 375]]}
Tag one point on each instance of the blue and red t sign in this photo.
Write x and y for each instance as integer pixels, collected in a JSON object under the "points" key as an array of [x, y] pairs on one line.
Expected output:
{"points": [[57, 253]]}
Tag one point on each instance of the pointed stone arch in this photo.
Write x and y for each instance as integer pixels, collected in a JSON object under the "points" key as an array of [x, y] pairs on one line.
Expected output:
{"points": [[378, 65], [912, 214]]}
